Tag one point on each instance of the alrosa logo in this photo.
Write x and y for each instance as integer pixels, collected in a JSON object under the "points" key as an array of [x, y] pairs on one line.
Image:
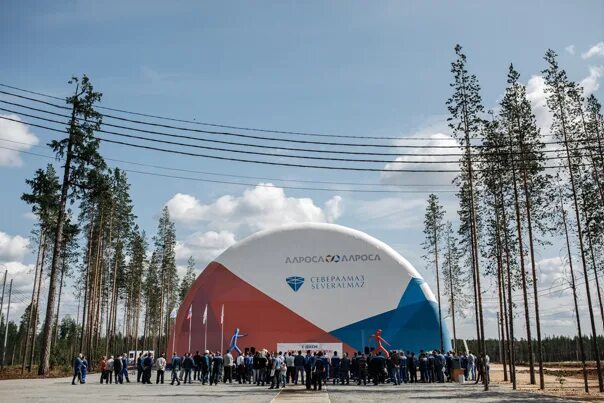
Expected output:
{"points": [[365, 257], [295, 282]]}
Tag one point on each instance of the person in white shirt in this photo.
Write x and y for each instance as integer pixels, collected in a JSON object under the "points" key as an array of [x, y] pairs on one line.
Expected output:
{"points": [[291, 368], [228, 367], [160, 363], [240, 368]]}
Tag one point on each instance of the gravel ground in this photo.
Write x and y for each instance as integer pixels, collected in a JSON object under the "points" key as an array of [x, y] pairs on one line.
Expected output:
{"points": [[61, 390]]}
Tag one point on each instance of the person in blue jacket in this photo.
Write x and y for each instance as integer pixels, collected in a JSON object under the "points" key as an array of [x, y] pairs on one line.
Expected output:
{"points": [[147, 366], [84, 369], [125, 367], [176, 362], [77, 369], [335, 367]]}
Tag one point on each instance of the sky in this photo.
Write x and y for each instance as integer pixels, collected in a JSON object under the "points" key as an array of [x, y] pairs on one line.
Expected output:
{"points": [[339, 68]]}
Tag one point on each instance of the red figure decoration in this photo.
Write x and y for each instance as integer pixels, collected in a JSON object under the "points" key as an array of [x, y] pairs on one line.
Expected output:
{"points": [[378, 339]]}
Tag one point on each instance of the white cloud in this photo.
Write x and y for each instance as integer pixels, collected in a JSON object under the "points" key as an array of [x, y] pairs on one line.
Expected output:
{"points": [[262, 207], [438, 136], [591, 83], [204, 246], [333, 208], [21, 274], [15, 135], [389, 212], [595, 50], [553, 272], [222, 222], [535, 93], [570, 49], [13, 247]]}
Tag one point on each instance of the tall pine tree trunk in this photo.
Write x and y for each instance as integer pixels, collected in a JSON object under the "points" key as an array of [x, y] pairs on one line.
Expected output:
{"points": [[523, 273], [574, 288], [63, 268], [44, 367], [440, 327], [86, 283], [500, 293], [581, 246], [593, 262], [512, 347], [452, 299], [534, 272], [30, 319]]}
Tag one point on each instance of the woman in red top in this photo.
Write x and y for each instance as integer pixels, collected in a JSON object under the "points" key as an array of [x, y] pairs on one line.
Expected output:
{"points": [[103, 367]]}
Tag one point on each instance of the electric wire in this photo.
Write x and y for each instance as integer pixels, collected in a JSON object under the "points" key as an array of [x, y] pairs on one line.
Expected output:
{"points": [[195, 122], [251, 184], [244, 151], [249, 177], [273, 163], [414, 154], [280, 139]]}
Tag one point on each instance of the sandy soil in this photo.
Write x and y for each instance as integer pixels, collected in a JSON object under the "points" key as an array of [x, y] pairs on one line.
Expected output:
{"points": [[562, 380]]}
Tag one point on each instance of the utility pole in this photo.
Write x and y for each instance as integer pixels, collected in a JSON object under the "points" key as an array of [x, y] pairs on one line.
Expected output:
{"points": [[10, 291]]}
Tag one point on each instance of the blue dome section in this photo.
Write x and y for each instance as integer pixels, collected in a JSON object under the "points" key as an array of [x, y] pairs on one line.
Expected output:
{"points": [[412, 326]]}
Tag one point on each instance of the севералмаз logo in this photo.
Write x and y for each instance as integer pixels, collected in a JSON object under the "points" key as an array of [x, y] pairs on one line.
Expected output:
{"points": [[295, 282]]}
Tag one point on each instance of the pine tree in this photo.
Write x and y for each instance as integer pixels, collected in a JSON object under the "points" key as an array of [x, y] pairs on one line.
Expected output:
{"points": [[165, 243], [188, 279], [96, 213], [134, 283], [558, 101], [574, 290], [494, 178], [453, 278], [433, 227], [44, 199], [465, 108], [80, 152], [122, 225], [152, 295], [526, 149]]}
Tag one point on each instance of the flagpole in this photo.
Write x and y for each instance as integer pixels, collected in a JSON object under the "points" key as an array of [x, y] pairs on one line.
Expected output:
{"points": [[173, 315], [205, 336], [222, 330], [190, 321], [173, 335]]}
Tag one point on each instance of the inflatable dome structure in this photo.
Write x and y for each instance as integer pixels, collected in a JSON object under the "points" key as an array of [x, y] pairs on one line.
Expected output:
{"points": [[310, 283]]}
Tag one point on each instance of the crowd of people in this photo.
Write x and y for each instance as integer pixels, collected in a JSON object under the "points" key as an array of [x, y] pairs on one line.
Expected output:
{"points": [[276, 370]]}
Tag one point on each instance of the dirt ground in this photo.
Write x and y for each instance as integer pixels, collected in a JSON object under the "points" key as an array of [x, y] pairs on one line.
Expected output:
{"points": [[562, 380], [14, 372]]}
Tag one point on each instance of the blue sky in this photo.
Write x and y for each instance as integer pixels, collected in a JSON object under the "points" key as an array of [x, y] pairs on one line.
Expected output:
{"points": [[337, 67]]}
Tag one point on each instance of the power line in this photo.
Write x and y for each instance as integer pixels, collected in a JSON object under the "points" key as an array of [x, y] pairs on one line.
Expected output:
{"points": [[223, 158], [241, 151], [248, 177], [264, 146], [218, 148], [273, 138], [255, 152], [195, 122], [252, 184], [313, 150]]}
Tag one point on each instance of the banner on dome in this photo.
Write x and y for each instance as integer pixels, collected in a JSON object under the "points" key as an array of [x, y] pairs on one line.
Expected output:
{"points": [[327, 348]]}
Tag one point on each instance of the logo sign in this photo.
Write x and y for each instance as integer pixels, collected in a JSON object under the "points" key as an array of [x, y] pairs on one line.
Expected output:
{"points": [[295, 282], [335, 258], [326, 348]]}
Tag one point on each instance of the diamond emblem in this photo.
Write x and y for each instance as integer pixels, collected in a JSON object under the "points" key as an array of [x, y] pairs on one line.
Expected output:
{"points": [[295, 282]]}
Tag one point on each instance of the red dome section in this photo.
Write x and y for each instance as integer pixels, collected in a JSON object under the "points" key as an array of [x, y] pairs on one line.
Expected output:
{"points": [[265, 321]]}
